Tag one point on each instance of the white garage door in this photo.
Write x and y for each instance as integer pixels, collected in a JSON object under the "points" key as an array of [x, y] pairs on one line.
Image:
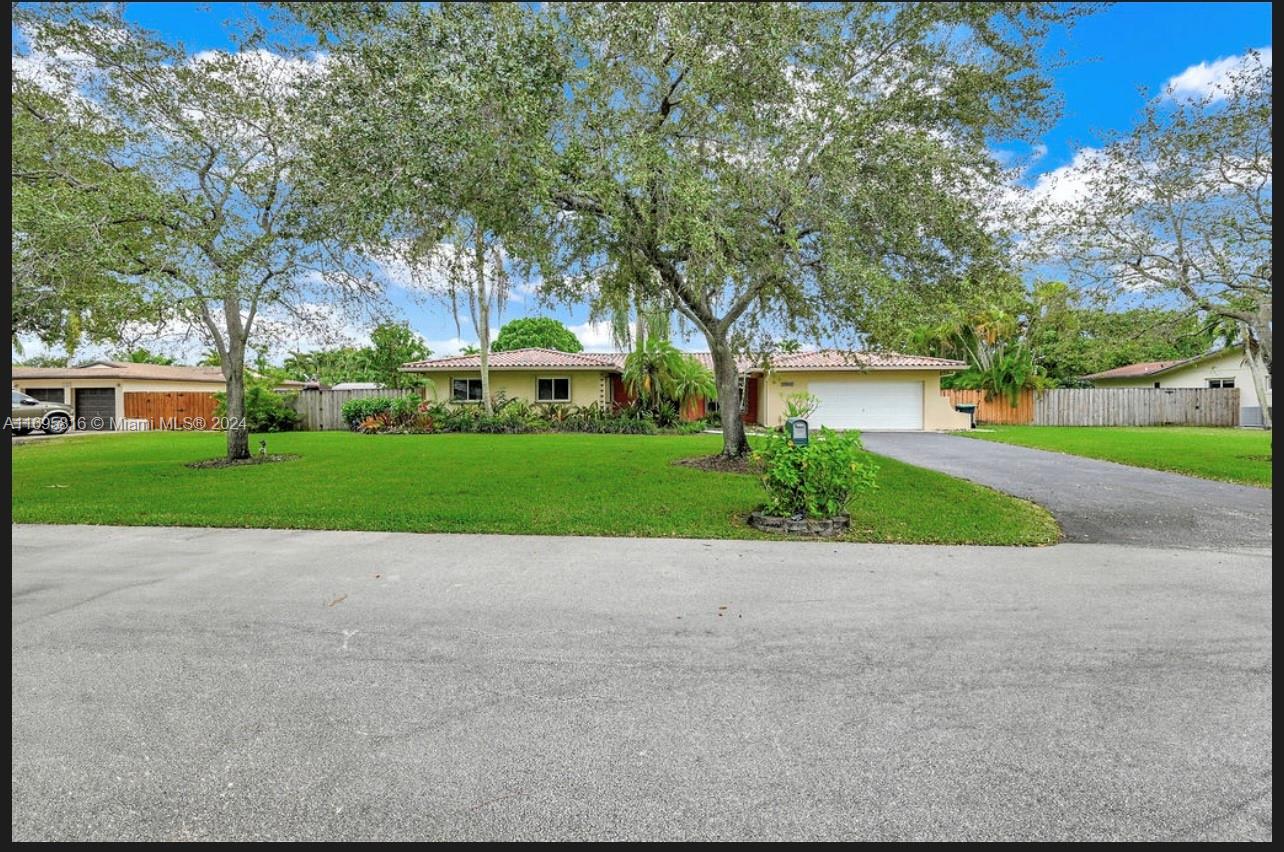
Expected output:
{"points": [[868, 405]]}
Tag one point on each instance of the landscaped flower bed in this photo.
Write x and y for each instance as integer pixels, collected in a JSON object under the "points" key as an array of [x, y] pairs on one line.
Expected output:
{"points": [[810, 487], [411, 415]]}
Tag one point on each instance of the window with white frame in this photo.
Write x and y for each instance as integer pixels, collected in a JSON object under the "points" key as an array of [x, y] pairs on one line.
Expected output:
{"points": [[555, 389], [1221, 383], [465, 390]]}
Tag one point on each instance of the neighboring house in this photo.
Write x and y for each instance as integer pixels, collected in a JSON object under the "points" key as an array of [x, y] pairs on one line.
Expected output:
{"points": [[857, 390], [113, 395], [357, 386], [1223, 368]]}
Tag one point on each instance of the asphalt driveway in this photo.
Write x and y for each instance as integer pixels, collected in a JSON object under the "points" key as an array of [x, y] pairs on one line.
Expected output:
{"points": [[191, 684], [1097, 501]]}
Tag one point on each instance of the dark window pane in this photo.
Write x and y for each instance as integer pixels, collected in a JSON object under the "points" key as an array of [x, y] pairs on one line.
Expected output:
{"points": [[474, 389], [459, 389]]}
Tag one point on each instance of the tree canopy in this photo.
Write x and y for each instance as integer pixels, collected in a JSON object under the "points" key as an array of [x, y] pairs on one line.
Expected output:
{"points": [[243, 255], [541, 332], [82, 220], [1178, 211], [765, 170]]}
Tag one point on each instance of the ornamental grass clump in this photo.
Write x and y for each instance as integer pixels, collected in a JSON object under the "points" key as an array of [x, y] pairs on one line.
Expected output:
{"points": [[818, 480]]}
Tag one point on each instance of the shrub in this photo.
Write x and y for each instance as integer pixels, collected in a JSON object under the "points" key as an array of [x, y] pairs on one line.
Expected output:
{"points": [[403, 409], [801, 405], [815, 481], [511, 416], [266, 409], [374, 424], [354, 411], [400, 411]]}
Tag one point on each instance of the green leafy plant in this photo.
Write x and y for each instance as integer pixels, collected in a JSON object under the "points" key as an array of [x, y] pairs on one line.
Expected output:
{"points": [[403, 409], [266, 409], [354, 411], [538, 332], [664, 381], [374, 424], [801, 405], [818, 480]]}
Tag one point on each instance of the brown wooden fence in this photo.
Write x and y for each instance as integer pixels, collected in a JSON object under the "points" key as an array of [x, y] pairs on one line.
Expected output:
{"points": [[1137, 407], [171, 409], [322, 410], [996, 410]]}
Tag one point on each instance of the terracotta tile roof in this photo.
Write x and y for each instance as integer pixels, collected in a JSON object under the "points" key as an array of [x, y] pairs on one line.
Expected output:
{"points": [[829, 359], [1132, 371], [835, 359], [520, 359], [123, 370], [1150, 368]]}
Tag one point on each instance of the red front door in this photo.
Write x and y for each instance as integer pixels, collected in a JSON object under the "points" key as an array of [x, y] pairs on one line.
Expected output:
{"points": [[749, 413]]}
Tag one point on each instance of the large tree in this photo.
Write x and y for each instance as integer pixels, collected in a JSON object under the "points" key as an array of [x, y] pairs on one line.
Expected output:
{"points": [[540, 332], [218, 132], [1179, 210], [787, 169], [81, 222], [762, 169], [391, 345], [429, 132]]}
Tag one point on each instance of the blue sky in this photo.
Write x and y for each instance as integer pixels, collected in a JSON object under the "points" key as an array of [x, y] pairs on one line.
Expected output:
{"points": [[1109, 57]]}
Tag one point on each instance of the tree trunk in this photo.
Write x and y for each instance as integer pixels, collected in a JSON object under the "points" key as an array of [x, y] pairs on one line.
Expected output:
{"points": [[1260, 371], [483, 319], [639, 328], [734, 443], [238, 434]]}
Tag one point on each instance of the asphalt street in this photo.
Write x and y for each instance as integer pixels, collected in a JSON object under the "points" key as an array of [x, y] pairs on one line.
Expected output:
{"points": [[194, 684], [1097, 501]]}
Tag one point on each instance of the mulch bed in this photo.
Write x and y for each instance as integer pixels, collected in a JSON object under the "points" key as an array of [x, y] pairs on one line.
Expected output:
{"points": [[722, 464], [253, 460]]}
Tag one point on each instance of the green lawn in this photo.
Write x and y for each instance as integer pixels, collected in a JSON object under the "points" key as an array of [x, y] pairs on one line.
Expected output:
{"points": [[1233, 455], [545, 484]]}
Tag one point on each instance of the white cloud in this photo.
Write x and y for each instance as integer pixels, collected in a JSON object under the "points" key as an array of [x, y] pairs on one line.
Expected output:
{"points": [[1069, 183], [596, 336], [1209, 79]]}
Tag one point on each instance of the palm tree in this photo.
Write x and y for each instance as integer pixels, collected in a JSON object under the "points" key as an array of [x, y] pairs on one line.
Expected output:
{"points": [[648, 371], [691, 381]]}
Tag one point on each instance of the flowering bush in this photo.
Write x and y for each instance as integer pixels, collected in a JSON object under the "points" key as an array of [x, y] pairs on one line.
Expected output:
{"points": [[815, 481]]}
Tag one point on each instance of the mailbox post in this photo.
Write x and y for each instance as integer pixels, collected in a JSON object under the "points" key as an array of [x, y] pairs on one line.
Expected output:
{"points": [[797, 431]]}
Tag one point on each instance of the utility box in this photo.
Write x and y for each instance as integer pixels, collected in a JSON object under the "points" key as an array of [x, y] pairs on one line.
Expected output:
{"points": [[797, 430]]}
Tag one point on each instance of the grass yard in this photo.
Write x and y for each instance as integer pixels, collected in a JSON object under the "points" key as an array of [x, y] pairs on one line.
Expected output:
{"points": [[617, 485], [1232, 455]]}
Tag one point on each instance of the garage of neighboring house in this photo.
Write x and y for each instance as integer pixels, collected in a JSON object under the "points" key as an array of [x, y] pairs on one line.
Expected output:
{"points": [[95, 409], [116, 395], [47, 394]]}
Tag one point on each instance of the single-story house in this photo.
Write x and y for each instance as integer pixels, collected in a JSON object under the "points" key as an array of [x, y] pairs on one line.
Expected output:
{"points": [[117, 395], [857, 390], [1222, 368]]}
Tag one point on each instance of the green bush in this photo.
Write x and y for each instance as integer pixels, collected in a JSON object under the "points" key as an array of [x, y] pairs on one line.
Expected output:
{"points": [[815, 481], [354, 411], [266, 409], [397, 411], [510, 416]]}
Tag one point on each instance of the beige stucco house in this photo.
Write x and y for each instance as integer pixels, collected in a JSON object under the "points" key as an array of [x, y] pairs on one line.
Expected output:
{"points": [[857, 390], [122, 395], [1223, 368]]}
